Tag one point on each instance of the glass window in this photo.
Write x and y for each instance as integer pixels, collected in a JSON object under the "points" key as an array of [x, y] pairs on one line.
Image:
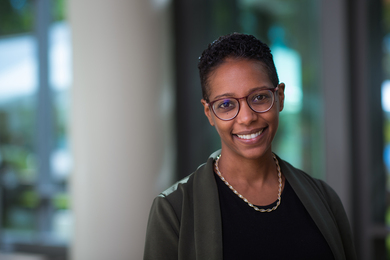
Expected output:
{"points": [[34, 200], [60, 159], [291, 29], [386, 101], [18, 88]]}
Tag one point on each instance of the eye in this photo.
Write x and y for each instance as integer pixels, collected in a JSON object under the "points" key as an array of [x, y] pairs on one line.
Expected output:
{"points": [[258, 97], [225, 104], [261, 97]]}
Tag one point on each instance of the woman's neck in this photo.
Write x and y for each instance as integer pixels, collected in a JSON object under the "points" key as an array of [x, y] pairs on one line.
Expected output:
{"points": [[242, 170]]}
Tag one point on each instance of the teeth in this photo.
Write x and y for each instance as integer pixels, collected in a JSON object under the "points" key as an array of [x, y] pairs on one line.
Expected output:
{"points": [[251, 136]]}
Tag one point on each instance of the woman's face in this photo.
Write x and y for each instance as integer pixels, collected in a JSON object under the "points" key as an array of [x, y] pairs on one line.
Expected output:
{"points": [[249, 134]]}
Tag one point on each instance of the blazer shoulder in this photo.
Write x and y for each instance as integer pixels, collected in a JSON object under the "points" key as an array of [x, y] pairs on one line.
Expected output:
{"points": [[180, 186], [301, 175], [180, 191]]}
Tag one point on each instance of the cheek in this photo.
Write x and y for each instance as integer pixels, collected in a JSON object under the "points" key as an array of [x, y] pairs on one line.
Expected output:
{"points": [[272, 117], [223, 128]]}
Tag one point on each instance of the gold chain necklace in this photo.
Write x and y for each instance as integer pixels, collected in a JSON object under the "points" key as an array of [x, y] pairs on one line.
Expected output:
{"points": [[243, 198]]}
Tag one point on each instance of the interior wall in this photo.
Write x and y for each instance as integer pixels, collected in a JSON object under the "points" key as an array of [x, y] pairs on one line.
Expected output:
{"points": [[120, 122]]}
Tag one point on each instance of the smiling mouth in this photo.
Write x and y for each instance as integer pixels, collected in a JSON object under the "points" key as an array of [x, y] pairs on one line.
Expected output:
{"points": [[251, 136]]}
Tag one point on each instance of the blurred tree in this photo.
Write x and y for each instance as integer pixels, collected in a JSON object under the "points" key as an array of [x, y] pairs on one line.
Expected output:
{"points": [[16, 16]]}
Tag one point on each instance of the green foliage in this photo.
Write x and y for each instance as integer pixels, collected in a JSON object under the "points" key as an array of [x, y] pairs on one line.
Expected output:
{"points": [[58, 10], [387, 220], [20, 160], [61, 201], [13, 21], [15, 156], [29, 199], [386, 16], [387, 131]]}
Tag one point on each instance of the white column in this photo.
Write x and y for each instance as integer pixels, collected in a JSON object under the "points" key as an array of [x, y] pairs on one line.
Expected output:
{"points": [[120, 122]]}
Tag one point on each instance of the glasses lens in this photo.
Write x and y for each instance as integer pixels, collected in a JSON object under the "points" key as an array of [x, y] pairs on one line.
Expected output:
{"points": [[261, 100], [226, 108]]}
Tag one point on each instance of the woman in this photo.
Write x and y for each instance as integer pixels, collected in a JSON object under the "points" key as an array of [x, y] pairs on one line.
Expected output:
{"points": [[245, 202]]}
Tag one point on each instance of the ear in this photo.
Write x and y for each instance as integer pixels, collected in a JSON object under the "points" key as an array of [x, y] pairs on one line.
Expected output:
{"points": [[207, 112], [281, 96]]}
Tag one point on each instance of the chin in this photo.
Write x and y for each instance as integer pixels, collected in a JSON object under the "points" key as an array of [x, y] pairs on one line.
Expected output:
{"points": [[254, 154]]}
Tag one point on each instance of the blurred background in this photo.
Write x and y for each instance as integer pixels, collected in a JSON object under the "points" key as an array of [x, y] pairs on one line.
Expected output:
{"points": [[100, 111]]}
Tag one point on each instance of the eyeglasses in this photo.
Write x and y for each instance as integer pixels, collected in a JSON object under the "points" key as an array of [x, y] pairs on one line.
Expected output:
{"points": [[260, 101]]}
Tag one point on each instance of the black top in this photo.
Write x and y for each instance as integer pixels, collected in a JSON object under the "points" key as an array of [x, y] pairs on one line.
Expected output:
{"points": [[286, 233]]}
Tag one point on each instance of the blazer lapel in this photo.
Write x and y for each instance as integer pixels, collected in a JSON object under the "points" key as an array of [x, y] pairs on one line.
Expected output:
{"points": [[317, 206], [207, 219]]}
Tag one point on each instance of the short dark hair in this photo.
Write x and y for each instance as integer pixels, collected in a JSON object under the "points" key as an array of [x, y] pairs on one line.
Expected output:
{"points": [[235, 45]]}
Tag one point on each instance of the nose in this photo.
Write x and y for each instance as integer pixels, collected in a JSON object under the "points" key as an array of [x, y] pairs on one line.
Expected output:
{"points": [[246, 115]]}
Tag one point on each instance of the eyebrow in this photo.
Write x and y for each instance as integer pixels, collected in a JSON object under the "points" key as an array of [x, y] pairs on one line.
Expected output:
{"points": [[224, 95], [232, 94]]}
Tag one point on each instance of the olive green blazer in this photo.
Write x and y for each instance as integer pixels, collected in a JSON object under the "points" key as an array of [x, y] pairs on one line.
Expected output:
{"points": [[185, 220]]}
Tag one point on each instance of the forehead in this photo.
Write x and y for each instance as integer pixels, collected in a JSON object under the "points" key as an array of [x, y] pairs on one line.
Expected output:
{"points": [[238, 77]]}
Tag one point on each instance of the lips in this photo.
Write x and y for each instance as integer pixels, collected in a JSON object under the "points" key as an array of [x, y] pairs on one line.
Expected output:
{"points": [[250, 136]]}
